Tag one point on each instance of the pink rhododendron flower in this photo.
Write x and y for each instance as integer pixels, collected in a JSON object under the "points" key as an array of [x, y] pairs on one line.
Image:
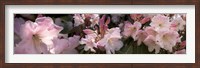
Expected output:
{"points": [[167, 39], [88, 33], [111, 40], [160, 22], [94, 19], [150, 41], [131, 29], [89, 41], [36, 35], [162, 38], [141, 36]]}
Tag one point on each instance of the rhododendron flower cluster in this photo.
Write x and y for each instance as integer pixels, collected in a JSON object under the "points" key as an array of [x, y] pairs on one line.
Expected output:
{"points": [[100, 34]]}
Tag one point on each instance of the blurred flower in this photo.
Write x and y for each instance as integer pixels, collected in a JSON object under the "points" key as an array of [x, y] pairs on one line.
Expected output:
{"points": [[178, 24], [37, 35], [111, 41], [116, 18], [17, 24], [131, 29], [182, 45]]}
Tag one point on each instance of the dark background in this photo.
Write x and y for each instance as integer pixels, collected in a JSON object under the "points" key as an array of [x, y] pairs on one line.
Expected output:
{"points": [[99, 2]]}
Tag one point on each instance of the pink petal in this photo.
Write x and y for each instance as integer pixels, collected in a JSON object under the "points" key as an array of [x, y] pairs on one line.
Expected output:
{"points": [[48, 42], [44, 21], [138, 25], [73, 41], [25, 47], [127, 29], [102, 42], [114, 33], [28, 47], [144, 20], [160, 19], [107, 21], [150, 41], [88, 31], [59, 45], [141, 36], [150, 31], [26, 30], [64, 45]]}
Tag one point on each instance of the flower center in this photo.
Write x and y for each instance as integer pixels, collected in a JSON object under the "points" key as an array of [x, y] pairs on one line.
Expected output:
{"points": [[178, 24], [133, 29], [37, 42], [36, 37], [110, 41], [165, 38], [160, 25]]}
